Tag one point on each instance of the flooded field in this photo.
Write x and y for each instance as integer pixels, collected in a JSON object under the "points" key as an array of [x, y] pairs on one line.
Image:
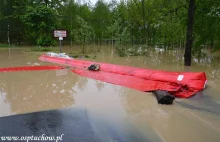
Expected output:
{"points": [[196, 119]]}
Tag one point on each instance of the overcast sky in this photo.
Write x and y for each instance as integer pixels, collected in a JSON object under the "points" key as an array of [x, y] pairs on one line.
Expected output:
{"points": [[94, 1]]}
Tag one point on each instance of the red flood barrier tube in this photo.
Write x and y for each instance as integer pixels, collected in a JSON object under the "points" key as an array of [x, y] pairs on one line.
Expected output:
{"points": [[136, 83], [189, 82], [30, 68]]}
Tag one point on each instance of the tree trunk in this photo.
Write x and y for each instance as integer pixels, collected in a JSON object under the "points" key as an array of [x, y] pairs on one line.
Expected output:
{"points": [[189, 36], [144, 22], [212, 43], [8, 35]]}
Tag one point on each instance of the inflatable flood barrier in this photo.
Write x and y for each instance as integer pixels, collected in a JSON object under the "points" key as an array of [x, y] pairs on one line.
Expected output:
{"points": [[179, 84], [30, 68]]}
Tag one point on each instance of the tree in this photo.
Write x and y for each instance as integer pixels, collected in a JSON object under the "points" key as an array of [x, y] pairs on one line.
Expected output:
{"points": [[40, 20], [83, 34], [207, 29], [101, 19], [6, 11]]}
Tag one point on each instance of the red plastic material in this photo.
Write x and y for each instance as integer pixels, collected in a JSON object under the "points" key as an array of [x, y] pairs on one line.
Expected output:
{"points": [[31, 68], [180, 84]]}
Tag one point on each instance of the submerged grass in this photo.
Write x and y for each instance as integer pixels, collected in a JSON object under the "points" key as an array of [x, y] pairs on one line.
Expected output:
{"points": [[41, 49], [79, 55], [135, 50], [4, 45]]}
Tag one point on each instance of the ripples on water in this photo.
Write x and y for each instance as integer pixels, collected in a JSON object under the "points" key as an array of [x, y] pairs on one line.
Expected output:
{"points": [[195, 119]]}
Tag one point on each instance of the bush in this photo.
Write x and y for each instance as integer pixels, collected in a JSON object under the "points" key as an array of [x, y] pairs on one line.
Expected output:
{"points": [[120, 50], [123, 51], [46, 41]]}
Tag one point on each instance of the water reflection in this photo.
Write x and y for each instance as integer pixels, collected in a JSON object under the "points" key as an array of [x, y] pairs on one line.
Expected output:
{"points": [[34, 91], [100, 85], [81, 83], [172, 123], [193, 119], [4, 105], [141, 108]]}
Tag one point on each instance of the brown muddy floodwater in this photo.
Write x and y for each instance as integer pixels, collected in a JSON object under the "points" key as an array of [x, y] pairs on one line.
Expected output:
{"points": [[188, 120]]}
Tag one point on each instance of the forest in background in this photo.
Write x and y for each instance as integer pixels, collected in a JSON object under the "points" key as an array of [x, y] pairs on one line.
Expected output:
{"points": [[128, 22]]}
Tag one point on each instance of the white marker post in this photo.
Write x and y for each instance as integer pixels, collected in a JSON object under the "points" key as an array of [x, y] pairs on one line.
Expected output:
{"points": [[60, 34]]}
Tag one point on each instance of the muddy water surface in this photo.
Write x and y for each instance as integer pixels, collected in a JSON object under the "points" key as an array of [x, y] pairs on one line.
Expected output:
{"points": [[196, 119]]}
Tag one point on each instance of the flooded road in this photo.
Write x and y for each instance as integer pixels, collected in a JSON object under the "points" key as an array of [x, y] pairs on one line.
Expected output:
{"points": [[196, 119]]}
